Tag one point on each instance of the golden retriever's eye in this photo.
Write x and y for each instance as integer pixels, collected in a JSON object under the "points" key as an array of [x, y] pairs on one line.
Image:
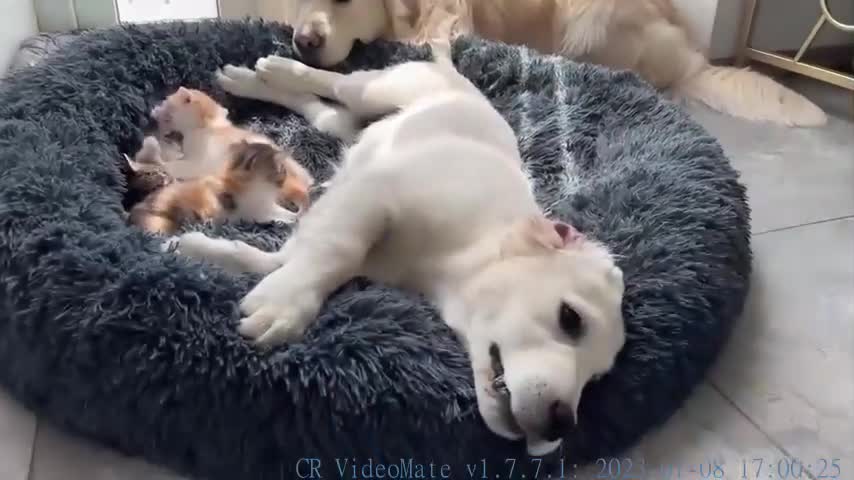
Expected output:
{"points": [[570, 321], [342, 1]]}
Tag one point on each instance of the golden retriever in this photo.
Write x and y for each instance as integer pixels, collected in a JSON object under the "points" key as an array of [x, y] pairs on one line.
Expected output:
{"points": [[646, 36]]}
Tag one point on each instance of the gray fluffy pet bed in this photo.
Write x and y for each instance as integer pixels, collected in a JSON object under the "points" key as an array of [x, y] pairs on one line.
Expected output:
{"points": [[110, 338]]}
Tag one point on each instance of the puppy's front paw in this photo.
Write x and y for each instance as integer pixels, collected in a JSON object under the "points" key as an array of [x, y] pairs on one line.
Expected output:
{"points": [[195, 245], [278, 310], [239, 81], [170, 245], [274, 325], [285, 73]]}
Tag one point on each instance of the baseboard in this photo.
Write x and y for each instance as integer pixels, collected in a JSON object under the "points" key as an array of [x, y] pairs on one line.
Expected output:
{"points": [[837, 57]]}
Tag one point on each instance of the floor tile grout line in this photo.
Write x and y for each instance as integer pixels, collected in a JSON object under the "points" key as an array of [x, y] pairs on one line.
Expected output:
{"points": [[747, 417], [33, 449], [808, 224]]}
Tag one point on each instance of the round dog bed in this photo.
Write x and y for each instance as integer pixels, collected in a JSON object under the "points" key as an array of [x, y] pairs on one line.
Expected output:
{"points": [[109, 337]]}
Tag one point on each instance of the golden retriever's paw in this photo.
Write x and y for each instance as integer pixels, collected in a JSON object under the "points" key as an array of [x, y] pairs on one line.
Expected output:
{"points": [[285, 73]]}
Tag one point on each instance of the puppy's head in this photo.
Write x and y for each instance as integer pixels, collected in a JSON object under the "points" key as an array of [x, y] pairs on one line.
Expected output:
{"points": [[539, 324], [186, 110], [325, 30]]}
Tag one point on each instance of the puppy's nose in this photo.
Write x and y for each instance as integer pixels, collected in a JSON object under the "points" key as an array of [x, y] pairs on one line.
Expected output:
{"points": [[309, 43], [561, 420]]}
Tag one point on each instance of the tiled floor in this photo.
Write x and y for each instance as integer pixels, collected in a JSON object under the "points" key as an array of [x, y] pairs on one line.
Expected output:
{"points": [[783, 390]]}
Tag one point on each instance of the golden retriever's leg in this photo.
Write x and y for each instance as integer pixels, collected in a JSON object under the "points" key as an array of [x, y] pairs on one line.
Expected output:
{"points": [[584, 32]]}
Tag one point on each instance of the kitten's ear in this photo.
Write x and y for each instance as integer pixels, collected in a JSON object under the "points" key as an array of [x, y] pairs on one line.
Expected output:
{"points": [[537, 235]]}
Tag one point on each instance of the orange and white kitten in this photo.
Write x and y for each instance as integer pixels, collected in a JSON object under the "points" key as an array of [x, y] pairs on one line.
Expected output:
{"points": [[247, 188], [208, 136]]}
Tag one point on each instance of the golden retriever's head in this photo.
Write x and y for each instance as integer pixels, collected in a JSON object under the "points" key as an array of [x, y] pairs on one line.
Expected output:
{"points": [[325, 30], [539, 324]]}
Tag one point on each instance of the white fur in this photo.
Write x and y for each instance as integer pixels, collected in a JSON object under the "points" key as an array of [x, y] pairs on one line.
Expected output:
{"points": [[647, 36], [412, 207]]}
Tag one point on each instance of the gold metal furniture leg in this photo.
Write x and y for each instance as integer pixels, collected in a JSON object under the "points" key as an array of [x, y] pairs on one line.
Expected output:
{"points": [[746, 29], [794, 64]]}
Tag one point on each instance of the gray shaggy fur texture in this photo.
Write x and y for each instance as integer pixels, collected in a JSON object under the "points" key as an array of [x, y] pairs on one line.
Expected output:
{"points": [[108, 337]]}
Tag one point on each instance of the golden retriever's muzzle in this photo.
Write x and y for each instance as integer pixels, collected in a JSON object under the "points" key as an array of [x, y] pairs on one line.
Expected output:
{"points": [[309, 45]]}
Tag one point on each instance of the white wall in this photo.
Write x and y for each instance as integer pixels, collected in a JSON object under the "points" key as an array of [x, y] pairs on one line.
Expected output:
{"points": [[17, 22], [778, 25], [700, 15]]}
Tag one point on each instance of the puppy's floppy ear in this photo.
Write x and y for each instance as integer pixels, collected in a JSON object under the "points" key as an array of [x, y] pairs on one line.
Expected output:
{"points": [[185, 95], [536, 235]]}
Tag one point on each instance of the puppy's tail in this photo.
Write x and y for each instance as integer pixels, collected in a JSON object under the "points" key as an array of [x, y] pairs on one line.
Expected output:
{"points": [[440, 43], [441, 48], [442, 53], [743, 93]]}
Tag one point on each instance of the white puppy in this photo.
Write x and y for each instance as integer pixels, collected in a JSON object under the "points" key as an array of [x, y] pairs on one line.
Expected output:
{"points": [[432, 198]]}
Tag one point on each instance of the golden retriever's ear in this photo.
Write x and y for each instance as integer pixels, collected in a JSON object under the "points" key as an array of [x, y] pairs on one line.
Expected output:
{"points": [[413, 7], [406, 11], [536, 235]]}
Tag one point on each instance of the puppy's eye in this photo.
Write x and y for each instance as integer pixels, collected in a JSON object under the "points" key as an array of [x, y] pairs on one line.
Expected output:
{"points": [[570, 321], [342, 1]]}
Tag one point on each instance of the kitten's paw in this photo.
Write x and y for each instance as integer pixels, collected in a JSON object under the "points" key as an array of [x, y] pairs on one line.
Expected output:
{"points": [[286, 217], [150, 153]]}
